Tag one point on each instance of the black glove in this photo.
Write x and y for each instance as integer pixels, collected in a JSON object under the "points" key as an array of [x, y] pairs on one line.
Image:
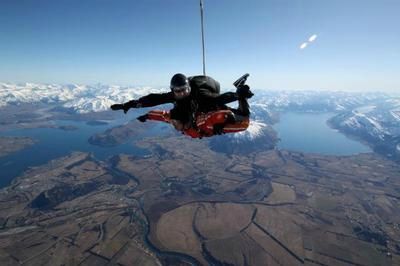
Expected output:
{"points": [[126, 106], [244, 92], [115, 107], [142, 118]]}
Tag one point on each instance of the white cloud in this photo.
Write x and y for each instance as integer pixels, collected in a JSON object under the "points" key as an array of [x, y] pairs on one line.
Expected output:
{"points": [[304, 45], [312, 38]]}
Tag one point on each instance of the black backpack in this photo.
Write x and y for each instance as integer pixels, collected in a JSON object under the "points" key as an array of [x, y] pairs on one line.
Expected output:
{"points": [[205, 84]]}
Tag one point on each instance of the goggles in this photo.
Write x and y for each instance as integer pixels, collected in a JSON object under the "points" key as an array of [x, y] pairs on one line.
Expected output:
{"points": [[181, 92], [181, 89]]}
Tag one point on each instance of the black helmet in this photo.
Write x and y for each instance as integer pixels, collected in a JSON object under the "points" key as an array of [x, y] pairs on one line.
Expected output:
{"points": [[180, 86]]}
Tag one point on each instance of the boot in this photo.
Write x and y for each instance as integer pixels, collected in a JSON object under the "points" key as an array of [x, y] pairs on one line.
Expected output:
{"points": [[244, 92]]}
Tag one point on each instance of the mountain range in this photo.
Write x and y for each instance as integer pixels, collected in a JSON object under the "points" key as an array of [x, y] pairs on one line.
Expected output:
{"points": [[80, 98], [373, 117]]}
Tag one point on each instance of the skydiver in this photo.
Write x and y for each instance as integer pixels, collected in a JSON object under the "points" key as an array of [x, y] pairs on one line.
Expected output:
{"points": [[190, 95], [211, 123]]}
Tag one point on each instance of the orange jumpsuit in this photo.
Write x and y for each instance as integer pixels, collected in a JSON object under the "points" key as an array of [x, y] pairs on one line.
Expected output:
{"points": [[205, 122]]}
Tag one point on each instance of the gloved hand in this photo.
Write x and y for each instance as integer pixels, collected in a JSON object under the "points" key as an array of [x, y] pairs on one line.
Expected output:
{"points": [[142, 118], [126, 106], [244, 92], [115, 107]]}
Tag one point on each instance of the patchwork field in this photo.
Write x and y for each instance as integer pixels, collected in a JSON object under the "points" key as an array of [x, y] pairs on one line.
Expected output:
{"points": [[194, 206]]}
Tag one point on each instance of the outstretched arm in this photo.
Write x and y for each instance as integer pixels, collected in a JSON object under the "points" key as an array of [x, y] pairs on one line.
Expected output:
{"points": [[216, 98], [150, 100], [227, 97]]}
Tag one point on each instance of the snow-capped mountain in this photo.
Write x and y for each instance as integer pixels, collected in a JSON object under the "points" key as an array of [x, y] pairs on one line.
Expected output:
{"points": [[254, 131], [382, 119], [259, 136], [95, 98], [315, 101], [80, 98], [378, 124], [373, 117]]}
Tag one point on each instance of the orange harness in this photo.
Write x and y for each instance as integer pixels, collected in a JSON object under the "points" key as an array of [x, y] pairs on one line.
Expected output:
{"points": [[205, 122]]}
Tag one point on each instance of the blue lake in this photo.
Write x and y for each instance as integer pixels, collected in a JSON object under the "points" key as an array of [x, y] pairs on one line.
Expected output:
{"points": [[309, 132], [52, 143], [298, 131]]}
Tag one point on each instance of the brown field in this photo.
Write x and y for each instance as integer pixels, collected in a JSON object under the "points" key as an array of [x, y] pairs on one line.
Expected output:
{"points": [[267, 208], [281, 193], [222, 220], [174, 231]]}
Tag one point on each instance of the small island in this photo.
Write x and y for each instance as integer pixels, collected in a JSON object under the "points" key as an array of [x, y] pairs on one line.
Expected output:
{"points": [[9, 145]]}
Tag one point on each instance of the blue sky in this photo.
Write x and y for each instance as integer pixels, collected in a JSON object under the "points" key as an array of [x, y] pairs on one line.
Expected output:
{"points": [[144, 42]]}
